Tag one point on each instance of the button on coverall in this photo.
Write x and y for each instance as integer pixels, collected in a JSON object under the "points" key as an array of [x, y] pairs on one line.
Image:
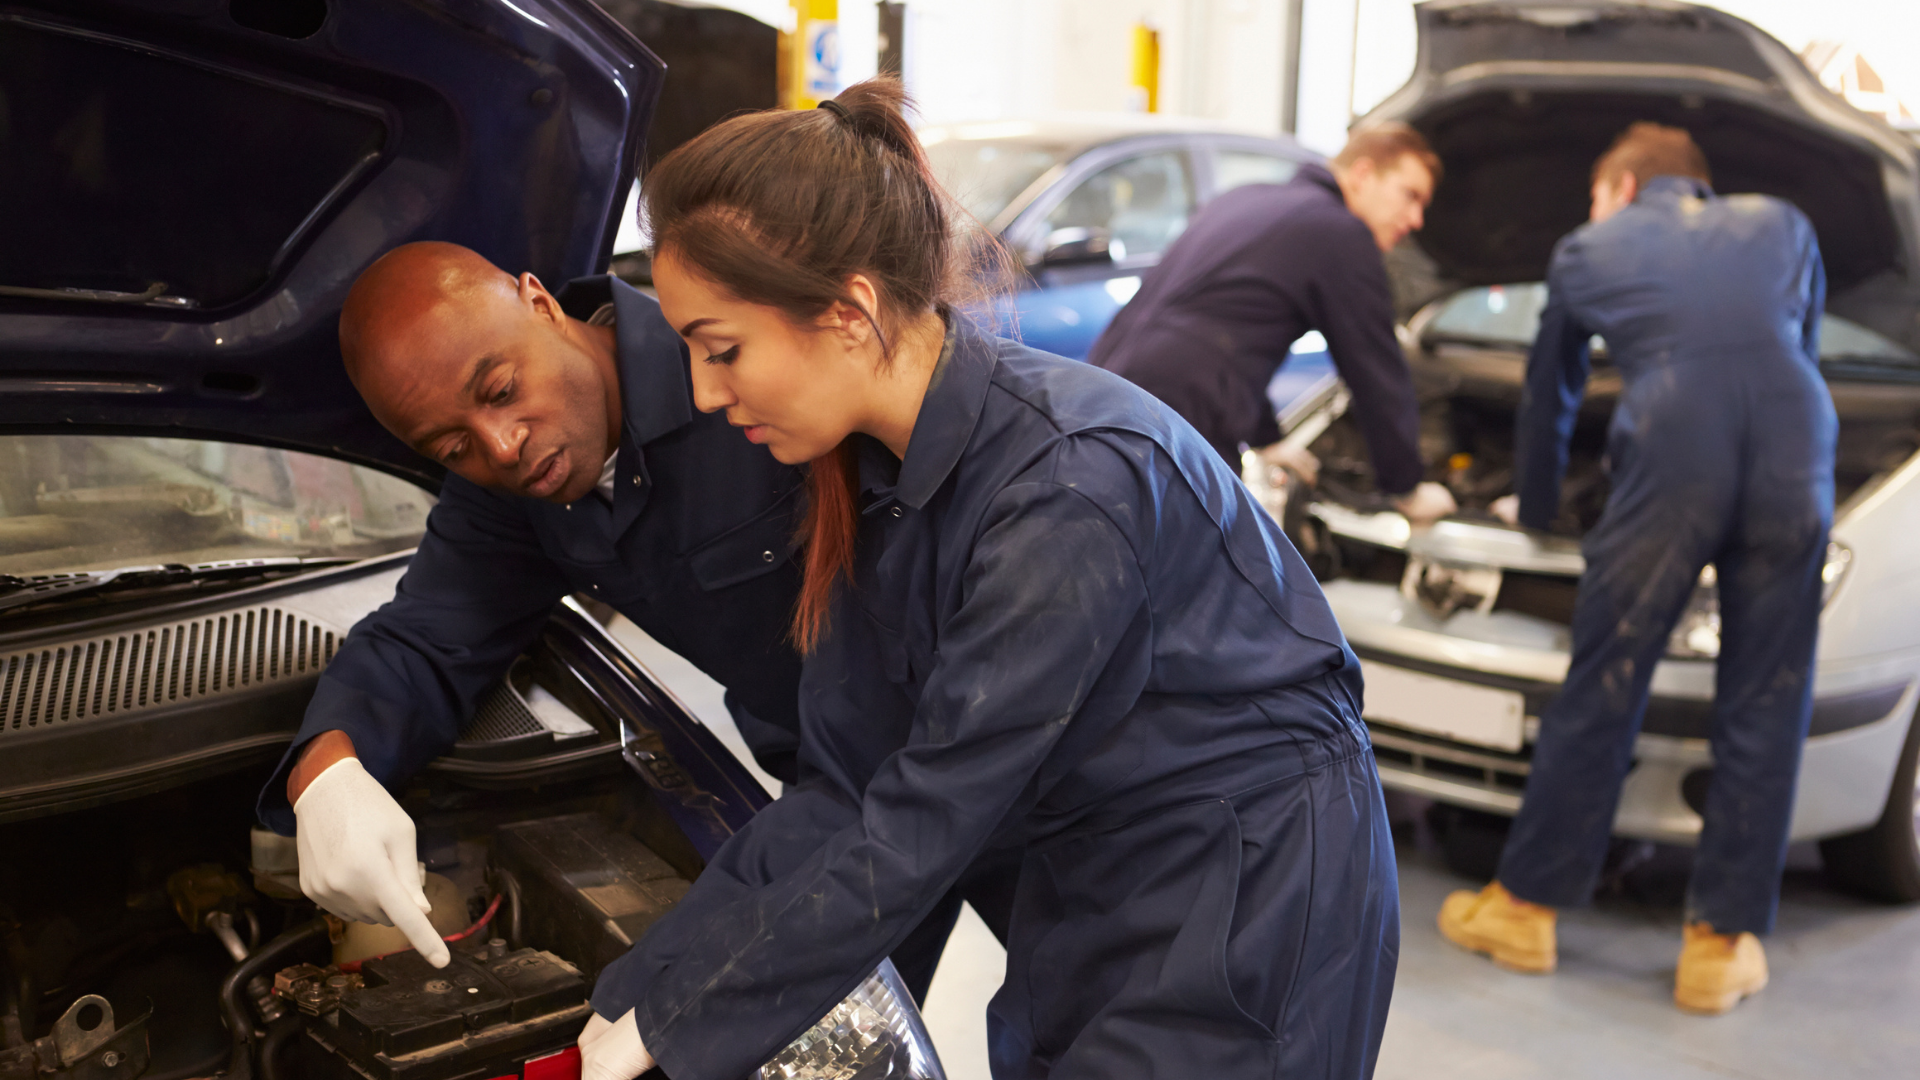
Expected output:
{"points": [[1069, 627], [1720, 451]]}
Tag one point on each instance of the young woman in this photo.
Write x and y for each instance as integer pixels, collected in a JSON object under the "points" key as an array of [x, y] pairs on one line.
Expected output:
{"points": [[1038, 612]]}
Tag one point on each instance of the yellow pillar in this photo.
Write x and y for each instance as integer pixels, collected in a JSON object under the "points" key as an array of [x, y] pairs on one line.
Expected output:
{"points": [[1146, 68], [810, 54]]}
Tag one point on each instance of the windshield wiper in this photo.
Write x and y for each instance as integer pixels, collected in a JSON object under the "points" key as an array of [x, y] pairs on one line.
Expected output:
{"points": [[18, 591]]}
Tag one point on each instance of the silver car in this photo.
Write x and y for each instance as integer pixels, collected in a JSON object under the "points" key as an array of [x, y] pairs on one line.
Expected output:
{"points": [[1463, 629]]}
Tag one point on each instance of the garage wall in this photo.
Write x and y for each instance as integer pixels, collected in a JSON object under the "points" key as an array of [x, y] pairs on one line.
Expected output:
{"points": [[1223, 59], [996, 59]]}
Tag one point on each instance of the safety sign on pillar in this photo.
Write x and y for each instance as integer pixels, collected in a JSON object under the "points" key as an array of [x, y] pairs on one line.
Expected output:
{"points": [[810, 54]]}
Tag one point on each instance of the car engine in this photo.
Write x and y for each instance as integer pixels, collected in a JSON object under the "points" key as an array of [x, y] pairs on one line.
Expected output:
{"points": [[150, 940]]}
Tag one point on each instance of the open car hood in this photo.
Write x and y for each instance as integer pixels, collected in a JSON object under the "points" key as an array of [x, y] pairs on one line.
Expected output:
{"points": [[193, 185], [1520, 98]]}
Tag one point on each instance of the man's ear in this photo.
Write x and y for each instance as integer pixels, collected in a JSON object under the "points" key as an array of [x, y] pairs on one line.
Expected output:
{"points": [[538, 299], [1629, 187]]}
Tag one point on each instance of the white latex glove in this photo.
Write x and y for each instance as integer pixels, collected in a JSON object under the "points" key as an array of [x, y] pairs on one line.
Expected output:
{"points": [[613, 1051], [1506, 508], [1426, 504], [358, 856], [1297, 458]]}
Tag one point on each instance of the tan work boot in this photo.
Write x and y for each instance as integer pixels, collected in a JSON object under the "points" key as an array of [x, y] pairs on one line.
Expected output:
{"points": [[1518, 935], [1717, 970]]}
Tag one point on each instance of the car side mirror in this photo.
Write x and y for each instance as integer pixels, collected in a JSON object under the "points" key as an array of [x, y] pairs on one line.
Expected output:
{"points": [[1078, 246]]}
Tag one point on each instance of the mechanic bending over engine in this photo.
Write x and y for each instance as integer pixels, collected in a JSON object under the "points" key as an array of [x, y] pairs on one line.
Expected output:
{"points": [[1721, 451], [578, 464], [1265, 263], [1039, 613]]}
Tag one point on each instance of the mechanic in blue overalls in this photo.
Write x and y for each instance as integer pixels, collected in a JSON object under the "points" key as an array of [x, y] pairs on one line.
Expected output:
{"points": [[1720, 451], [1265, 263], [577, 464], [1041, 611]]}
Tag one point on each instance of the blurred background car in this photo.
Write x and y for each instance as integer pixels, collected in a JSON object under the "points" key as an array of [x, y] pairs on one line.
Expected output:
{"points": [[1089, 205]]}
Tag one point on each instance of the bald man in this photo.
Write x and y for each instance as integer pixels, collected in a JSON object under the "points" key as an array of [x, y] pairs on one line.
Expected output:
{"points": [[577, 464]]}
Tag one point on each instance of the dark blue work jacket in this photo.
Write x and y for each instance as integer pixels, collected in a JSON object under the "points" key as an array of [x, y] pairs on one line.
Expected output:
{"points": [[1257, 268], [1066, 615], [695, 549], [1703, 302]]}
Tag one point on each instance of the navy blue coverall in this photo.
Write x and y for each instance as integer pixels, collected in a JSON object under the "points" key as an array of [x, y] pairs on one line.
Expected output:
{"points": [[1255, 269], [1070, 628], [694, 549], [1720, 451]]}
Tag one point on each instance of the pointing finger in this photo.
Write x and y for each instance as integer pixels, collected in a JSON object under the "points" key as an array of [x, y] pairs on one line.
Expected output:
{"points": [[413, 923]]}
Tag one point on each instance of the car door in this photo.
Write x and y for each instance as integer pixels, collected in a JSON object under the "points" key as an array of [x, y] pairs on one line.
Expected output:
{"points": [[1111, 217]]}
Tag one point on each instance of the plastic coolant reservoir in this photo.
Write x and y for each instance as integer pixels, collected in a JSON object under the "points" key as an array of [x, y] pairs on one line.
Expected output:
{"points": [[363, 940]]}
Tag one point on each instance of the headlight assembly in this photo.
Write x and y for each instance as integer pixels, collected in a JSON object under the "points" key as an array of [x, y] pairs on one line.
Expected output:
{"points": [[1697, 635], [875, 1034], [1834, 571]]}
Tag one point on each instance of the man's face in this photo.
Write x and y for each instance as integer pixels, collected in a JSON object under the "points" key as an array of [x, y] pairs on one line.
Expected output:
{"points": [[493, 386], [1392, 201]]}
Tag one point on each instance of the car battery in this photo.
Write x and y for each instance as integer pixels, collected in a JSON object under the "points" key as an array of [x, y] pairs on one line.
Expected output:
{"points": [[587, 890], [499, 1013]]}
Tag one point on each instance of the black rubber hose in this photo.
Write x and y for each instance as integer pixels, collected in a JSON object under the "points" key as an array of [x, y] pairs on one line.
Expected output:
{"points": [[279, 1034], [233, 990]]}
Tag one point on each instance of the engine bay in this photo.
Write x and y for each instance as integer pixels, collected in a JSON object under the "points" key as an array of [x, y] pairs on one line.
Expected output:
{"points": [[156, 939], [1469, 397]]}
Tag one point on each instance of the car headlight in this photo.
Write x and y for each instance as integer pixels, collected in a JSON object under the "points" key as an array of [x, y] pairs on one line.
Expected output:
{"points": [[875, 1033], [1839, 560], [1697, 635]]}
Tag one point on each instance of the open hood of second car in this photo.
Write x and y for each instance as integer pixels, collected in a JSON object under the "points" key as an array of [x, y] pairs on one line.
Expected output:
{"points": [[1520, 98], [191, 186]]}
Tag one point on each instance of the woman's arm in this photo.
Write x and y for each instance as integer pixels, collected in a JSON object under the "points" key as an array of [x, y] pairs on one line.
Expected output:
{"points": [[1054, 613]]}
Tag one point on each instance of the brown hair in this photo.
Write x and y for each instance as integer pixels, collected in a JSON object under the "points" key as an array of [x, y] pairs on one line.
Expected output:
{"points": [[780, 208], [1385, 144], [1647, 150]]}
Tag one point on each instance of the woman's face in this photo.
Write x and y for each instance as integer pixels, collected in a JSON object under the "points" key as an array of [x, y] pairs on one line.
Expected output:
{"points": [[797, 391]]}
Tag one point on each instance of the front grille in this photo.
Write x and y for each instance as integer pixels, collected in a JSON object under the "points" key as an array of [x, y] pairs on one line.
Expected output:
{"points": [[1429, 756], [157, 666]]}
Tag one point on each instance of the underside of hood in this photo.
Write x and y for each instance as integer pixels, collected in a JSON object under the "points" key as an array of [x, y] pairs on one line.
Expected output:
{"points": [[1520, 99], [193, 185]]}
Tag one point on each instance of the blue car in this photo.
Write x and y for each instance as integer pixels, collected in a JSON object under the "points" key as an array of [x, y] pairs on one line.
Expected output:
{"points": [[1089, 206]]}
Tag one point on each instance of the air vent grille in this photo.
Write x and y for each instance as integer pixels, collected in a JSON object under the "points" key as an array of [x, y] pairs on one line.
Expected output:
{"points": [[158, 666]]}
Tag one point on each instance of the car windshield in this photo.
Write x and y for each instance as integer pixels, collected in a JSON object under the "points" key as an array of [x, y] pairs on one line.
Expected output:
{"points": [[1508, 316], [987, 174], [98, 502]]}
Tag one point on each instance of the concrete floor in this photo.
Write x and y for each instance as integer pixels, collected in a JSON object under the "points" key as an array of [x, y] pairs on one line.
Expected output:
{"points": [[1843, 1002]]}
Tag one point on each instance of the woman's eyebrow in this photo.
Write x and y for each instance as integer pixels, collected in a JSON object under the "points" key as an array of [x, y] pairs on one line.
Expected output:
{"points": [[687, 330]]}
